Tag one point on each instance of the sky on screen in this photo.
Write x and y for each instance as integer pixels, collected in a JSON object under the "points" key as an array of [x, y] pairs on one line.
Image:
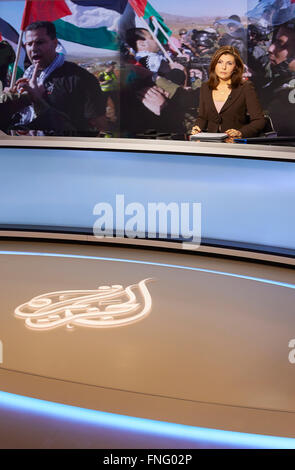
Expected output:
{"points": [[11, 10]]}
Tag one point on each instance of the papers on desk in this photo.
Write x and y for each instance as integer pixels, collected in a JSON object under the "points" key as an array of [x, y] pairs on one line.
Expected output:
{"points": [[209, 136]]}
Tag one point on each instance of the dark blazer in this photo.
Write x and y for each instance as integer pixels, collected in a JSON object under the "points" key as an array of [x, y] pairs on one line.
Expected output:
{"points": [[241, 111]]}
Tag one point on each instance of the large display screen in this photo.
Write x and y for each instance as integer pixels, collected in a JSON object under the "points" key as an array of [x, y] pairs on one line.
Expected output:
{"points": [[126, 68], [232, 202]]}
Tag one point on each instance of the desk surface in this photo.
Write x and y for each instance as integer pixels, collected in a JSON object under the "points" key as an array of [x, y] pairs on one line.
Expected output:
{"points": [[161, 146], [212, 350]]}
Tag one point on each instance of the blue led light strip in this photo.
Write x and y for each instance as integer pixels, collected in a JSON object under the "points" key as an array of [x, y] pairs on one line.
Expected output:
{"points": [[150, 263], [133, 424], [148, 426]]}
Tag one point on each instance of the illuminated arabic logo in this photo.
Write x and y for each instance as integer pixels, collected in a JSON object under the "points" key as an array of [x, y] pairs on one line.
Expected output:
{"points": [[107, 306]]}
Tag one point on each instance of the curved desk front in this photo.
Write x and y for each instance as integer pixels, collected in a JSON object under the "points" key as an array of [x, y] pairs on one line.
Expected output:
{"points": [[150, 328]]}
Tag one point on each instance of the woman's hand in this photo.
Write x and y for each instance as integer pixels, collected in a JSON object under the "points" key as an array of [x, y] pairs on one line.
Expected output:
{"points": [[195, 130], [234, 133]]}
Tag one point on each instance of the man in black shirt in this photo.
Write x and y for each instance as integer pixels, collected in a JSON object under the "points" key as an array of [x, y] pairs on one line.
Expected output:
{"points": [[66, 99]]}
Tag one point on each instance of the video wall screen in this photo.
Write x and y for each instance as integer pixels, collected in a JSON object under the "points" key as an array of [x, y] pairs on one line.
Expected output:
{"points": [[234, 202], [134, 68]]}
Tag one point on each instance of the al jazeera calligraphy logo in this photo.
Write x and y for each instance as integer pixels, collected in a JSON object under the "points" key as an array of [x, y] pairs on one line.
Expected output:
{"points": [[105, 307]]}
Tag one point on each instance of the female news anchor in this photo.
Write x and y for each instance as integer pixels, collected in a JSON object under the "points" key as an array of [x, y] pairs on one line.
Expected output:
{"points": [[228, 103]]}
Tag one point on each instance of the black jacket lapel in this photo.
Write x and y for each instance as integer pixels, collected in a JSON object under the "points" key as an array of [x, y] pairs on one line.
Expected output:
{"points": [[236, 92], [211, 102]]}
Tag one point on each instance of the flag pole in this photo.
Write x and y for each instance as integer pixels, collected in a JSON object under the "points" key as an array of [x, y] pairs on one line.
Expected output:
{"points": [[19, 46], [159, 26], [157, 41]]}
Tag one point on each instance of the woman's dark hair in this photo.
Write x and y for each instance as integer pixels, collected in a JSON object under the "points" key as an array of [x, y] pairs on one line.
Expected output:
{"points": [[237, 76]]}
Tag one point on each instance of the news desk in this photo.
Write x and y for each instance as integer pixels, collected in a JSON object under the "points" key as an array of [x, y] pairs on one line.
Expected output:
{"points": [[195, 349]]}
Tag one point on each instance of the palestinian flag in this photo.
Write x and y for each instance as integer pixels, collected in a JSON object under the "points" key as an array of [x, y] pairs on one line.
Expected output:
{"points": [[144, 10], [7, 32], [86, 28], [43, 10]]}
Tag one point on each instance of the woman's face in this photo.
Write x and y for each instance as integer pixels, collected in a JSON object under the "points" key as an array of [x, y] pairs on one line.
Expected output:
{"points": [[225, 67]]}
